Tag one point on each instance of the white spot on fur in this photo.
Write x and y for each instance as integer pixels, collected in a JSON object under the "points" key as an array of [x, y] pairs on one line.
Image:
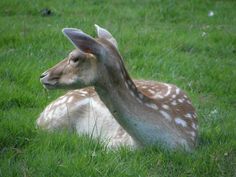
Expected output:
{"points": [[194, 126], [180, 100], [83, 95], [189, 102], [60, 101], [158, 96], [83, 92], [165, 106], [165, 115], [188, 115], [193, 133], [181, 122], [173, 96], [70, 99], [152, 105], [151, 91], [174, 102], [168, 90], [144, 87], [177, 91]]}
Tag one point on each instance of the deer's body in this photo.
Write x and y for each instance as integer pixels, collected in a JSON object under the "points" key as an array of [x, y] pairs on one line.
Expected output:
{"points": [[82, 111], [151, 113]]}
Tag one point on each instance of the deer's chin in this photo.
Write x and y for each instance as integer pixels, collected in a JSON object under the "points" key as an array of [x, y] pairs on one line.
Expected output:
{"points": [[63, 86], [49, 86]]}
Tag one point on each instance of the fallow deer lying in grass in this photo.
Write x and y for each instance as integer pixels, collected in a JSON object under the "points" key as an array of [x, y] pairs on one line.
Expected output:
{"points": [[152, 113]]}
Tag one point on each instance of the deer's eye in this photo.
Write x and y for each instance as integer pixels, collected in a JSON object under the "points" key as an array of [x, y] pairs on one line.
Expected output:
{"points": [[75, 60]]}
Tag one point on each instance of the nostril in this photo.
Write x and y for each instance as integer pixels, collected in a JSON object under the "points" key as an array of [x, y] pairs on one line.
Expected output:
{"points": [[43, 75]]}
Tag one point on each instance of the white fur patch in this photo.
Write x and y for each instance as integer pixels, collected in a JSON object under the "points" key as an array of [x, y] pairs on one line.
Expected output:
{"points": [[165, 106], [174, 102], [168, 90], [181, 122], [98, 122], [189, 102], [83, 91], [60, 101], [193, 133], [144, 87], [177, 91], [165, 115], [151, 105], [188, 115], [83, 95], [158, 96], [70, 99], [151, 91], [82, 102], [194, 126]]}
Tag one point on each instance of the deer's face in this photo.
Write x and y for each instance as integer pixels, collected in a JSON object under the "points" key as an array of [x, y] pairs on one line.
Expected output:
{"points": [[83, 65], [78, 70]]}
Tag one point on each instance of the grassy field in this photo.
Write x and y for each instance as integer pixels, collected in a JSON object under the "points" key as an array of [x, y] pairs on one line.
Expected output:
{"points": [[171, 41]]}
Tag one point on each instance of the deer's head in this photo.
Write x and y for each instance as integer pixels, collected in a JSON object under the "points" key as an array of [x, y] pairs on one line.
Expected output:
{"points": [[86, 64]]}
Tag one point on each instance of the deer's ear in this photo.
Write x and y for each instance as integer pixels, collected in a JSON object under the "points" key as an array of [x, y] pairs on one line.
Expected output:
{"points": [[83, 41], [103, 33]]}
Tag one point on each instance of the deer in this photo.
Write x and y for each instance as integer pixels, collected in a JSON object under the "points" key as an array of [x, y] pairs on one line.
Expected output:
{"points": [[152, 113], [82, 110]]}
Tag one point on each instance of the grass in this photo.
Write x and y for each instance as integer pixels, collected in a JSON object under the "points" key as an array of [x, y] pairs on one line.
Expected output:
{"points": [[169, 41]]}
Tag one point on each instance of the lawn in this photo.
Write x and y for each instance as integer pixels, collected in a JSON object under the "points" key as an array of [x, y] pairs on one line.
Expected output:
{"points": [[188, 43]]}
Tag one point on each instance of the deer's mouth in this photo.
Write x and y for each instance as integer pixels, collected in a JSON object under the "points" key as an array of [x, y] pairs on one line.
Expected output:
{"points": [[49, 86], [48, 81]]}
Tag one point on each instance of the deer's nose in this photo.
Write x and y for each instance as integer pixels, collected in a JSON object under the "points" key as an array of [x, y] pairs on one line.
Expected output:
{"points": [[43, 75]]}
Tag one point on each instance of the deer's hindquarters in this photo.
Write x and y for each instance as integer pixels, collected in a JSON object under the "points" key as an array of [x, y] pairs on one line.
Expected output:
{"points": [[82, 111]]}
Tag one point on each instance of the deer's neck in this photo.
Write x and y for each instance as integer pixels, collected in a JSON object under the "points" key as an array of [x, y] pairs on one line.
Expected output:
{"points": [[128, 105]]}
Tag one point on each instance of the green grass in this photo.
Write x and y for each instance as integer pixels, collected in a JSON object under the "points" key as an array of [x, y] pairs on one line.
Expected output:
{"points": [[170, 41]]}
